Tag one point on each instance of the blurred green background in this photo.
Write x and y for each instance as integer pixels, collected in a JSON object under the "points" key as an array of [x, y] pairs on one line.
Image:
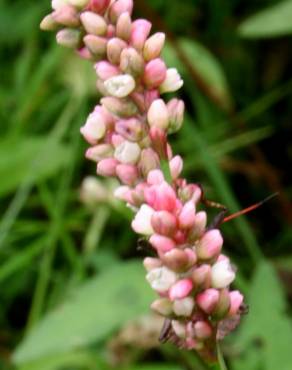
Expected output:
{"points": [[73, 292]]}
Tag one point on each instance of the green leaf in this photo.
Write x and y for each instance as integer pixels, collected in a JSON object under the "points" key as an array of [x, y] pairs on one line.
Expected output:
{"points": [[19, 158], [206, 65], [267, 324], [272, 22], [99, 307]]}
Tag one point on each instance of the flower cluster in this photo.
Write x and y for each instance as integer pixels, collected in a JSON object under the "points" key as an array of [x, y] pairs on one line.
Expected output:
{"points": [[127, 133]]}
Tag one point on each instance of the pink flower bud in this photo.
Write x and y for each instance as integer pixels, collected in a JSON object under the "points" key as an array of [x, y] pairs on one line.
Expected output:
{"points": [[176, 167], [106, 70], [67, 16], [172, 82], [155, 73], [159, 141], [151, 263], [94, 128], [202, 276], [99, 6], [176, 259], [164, 223], [69, 38], [155, 177], [153, 46], [131, 129], [119, 7], [99, 152], [199, 226], [96, 44], [222, 274], [161, 279], [157, 115], [202, 330], [120, 107], [120, 86], [128, 174], [181, 289], [107, 167], [124, 193], [187, 216], [93, 23], [142, 221], [161, 243], [131, 62], [191, 192], [176, 109], [184, 307], [115, 47], [179, 328], [48, 23], [236, 299], [140, 31], [117, 140], [124, 26], [161, 197], [210, 245], [127, 152], [149, 97], [207, 300], [149, 161], [162, 306]]}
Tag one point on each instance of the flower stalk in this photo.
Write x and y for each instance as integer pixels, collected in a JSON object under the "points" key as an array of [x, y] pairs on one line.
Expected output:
{"points": [[128, 137]]}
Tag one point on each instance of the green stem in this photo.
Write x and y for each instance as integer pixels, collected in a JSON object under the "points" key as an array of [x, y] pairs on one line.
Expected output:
{"points": [[221, 361]]}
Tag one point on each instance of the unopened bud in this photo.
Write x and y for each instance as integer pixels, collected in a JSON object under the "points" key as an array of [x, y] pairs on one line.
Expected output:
{"points": [[127, 173], [157, 115], [142, 221], [153, 46], [162, 306], [120, 86], [210, 245], [131, 62], [48, 23], [119, 7], [94, 128], [99, 152], [93, 23], [131, 129], [207, 300], [124, 26], [176, 166], [202, 330], [187, 215], [202, 276], [151, 263], [155, 73], [179, 328], [56, 4], [93, 191], [139, 33], [172, 82], [161, 279], [96, 44], [127, 152], [120, 107], [161, 243], [164, 223], [115, 47], [236, 299], [223, 305], [184, 307], [176, 109], [190, 192], [176, 259], [78, 3], [99, 6], [149, 161], [66, 16], [106, 70], [181, 289], [159, 141], [107, 167], [222, 274], [199, 226], [69, 38]]}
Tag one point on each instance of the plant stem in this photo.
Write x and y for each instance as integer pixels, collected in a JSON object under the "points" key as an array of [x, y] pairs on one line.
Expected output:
{"points": [[221, 361]]}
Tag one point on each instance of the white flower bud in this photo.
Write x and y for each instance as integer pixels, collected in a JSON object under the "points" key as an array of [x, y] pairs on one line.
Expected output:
{"points": [[56, 4], [158, 115], [184, 307], [161, 279], [120, 86], [142, 221], [94, 128], [222, 274], [127, 152], [179, 328], [172, 82]]}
